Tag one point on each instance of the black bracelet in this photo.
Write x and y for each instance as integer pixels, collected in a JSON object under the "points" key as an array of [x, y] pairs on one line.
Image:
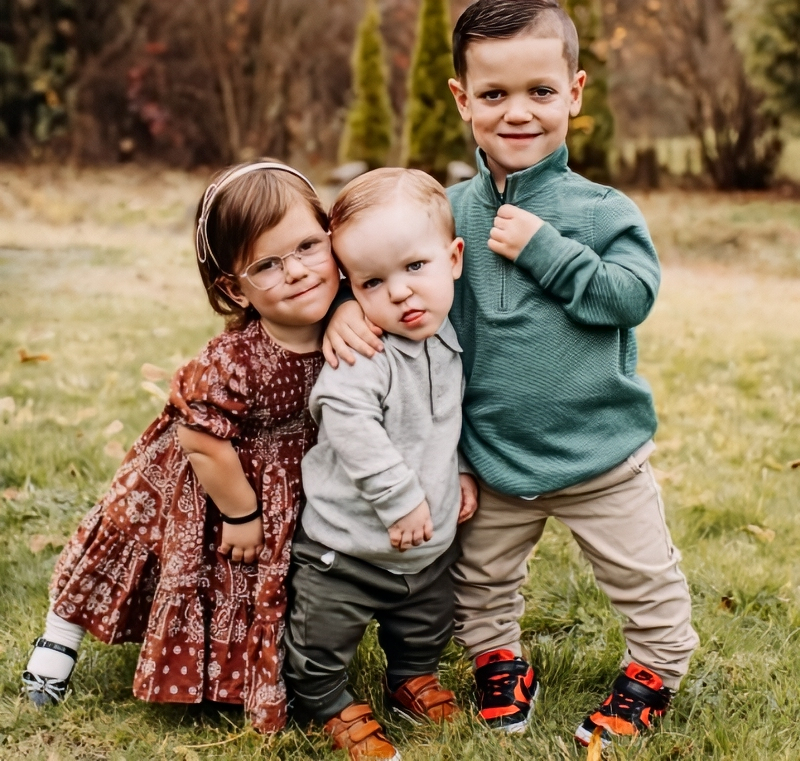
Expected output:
{"points": [[243, 518]]}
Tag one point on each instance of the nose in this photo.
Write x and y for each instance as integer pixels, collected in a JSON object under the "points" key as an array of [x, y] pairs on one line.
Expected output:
{"points": [[294, 269], [518, 111], [398, 290]]}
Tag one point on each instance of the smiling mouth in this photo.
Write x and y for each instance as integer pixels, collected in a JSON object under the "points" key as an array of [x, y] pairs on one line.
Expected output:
{"points": [[519, 136], [303, 292]]}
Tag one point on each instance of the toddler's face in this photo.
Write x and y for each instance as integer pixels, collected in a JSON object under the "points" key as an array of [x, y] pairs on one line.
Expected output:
{"points": [[307, 286], [402, 264], [519, 95]]}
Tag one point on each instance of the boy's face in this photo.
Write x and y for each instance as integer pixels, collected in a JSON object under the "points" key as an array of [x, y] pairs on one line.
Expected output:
{"points": [[401, 264], [519, 95]]}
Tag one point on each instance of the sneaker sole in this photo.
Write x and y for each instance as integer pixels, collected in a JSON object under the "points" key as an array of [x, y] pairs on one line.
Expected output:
{"points": [[520, 726], [584, 737]]}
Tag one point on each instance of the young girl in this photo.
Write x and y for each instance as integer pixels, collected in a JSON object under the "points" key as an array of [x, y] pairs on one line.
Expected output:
{"points": [[188, 551]]}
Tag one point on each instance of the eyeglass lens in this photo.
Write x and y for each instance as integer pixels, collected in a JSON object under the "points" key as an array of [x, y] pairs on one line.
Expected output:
{"points": [[268, 272]]}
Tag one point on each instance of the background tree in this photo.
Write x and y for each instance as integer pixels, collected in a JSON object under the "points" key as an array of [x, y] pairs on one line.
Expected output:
{"points": [[592, 132], [698, 68], [775, 55], [367, 135], [433, 133]]}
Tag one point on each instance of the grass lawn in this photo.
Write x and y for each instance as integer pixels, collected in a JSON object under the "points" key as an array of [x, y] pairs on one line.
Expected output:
{"points": [[97, 279]]}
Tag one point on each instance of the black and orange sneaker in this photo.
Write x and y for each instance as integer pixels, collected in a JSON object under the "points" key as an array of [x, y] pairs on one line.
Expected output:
{"points": [[637, 698], [506, 687]]}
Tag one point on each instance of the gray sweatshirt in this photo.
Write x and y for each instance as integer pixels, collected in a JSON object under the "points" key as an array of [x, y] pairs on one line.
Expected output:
{"points": [[388, 436]]}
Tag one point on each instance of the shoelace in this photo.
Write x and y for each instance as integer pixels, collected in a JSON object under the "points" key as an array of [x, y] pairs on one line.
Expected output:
{"points": [[53, 688]]}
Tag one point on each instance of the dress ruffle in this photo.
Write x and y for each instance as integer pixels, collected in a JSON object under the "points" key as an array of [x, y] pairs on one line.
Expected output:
{"points": [[143, 567]]}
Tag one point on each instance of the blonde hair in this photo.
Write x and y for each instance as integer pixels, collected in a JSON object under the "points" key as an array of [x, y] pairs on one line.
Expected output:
{"points": [[379, 186]]}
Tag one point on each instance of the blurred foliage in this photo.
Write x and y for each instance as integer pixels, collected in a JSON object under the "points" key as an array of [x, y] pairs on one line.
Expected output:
{"points": [[689, 54], [38, 69], [188, 82], [775, 55], [368, 130], [434, 134], [592, 132]]}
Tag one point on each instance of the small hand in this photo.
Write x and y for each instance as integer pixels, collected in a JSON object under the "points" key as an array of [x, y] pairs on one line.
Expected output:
{"points": [[349, 328], [412, 529], [512, 231], [243, 541], [469, 497]]}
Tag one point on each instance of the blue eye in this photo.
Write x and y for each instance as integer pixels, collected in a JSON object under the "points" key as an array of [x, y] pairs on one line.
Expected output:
{"points": [[542, 92], [492, 95], [415, 266], [374, 283]]}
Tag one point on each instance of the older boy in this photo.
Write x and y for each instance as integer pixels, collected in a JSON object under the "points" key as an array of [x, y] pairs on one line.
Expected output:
{"points": [[382, 484], [557, 273]]}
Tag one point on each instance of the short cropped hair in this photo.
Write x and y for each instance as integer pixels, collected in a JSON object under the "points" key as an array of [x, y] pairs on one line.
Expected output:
{"points": [[379, 186], [503, 19]]}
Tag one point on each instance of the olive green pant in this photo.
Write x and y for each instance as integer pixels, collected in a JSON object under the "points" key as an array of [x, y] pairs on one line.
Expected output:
{"points": [[618, 521], [333, 598]]}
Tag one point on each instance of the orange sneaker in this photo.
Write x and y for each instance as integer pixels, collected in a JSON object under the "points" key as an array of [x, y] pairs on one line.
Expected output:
{"points": [[355, 730], [637, 698], [506, 688], [422, 697]]}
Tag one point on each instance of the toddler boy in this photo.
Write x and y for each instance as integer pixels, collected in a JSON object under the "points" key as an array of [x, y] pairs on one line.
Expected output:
{"points": [[558, 271], [382, 484]]}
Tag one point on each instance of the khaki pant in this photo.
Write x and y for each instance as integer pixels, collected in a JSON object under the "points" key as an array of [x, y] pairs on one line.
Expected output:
{"points": [[618, 521]]}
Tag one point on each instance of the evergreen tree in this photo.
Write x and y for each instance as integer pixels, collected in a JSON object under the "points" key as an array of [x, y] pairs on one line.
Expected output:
{"points": [[592, 132], [433, 133], [368, 131], [775, 58]]}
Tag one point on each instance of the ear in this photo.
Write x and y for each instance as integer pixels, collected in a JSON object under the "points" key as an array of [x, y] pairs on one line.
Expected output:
{"points": [[576, 93], [462, 98], [457, 257], [232, 291]]}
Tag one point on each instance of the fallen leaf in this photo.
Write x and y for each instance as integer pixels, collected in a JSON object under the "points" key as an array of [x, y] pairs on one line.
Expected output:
{"points": [[794, 464], [153, 372], [112, 428], [727, 603], [765, 535], [114, 450], [25, 357], [7, 404], [39, 541], [155, 391], [596, 746]]}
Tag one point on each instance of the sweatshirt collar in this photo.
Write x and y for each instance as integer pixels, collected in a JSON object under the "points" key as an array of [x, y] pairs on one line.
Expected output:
{"points": [[446, 334], [526, 181]]}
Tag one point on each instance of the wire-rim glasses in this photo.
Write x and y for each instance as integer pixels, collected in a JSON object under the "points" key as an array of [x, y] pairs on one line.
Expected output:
{"points": [[268, 272]]}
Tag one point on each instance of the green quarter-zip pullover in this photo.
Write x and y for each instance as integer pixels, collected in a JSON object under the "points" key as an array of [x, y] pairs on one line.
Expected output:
{"points": [[552, 396]]}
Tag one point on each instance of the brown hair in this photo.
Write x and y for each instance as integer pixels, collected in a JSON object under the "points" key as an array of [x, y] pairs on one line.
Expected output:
{"points": [[380, 185], [503, 19], [235, 218]]}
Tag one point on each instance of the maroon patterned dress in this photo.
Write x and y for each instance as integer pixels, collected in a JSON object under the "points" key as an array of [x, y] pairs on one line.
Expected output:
{"points": [[142, 565]]}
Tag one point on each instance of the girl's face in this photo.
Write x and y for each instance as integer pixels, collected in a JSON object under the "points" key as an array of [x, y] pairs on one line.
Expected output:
{"points": [[305, 290]]}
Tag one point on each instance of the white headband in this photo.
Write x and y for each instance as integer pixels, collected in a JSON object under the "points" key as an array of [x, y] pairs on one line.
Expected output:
{"points": [[201, 237]]}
